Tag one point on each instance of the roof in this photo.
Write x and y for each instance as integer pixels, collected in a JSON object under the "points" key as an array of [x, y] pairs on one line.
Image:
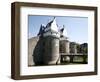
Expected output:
{"points": [[52, 26], [63, 32]]}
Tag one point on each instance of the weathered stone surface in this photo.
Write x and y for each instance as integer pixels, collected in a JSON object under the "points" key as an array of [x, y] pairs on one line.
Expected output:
{"points": [[64, 46], [33, 51], [51, 52], [73, 48]]}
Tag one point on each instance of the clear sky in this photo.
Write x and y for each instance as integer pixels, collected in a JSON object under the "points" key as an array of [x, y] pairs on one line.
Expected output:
{"points": [[77, 27]]}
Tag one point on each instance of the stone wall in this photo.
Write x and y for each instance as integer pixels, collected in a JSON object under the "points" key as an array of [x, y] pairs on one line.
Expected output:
{"points": [[34, 51], [64, 46]]}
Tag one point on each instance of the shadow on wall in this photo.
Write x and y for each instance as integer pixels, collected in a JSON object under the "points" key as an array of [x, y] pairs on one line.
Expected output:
{"points": [[38, 52]]}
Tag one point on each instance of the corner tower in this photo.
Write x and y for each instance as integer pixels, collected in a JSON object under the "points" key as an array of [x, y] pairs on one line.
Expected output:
{"points": [[51, 45]]}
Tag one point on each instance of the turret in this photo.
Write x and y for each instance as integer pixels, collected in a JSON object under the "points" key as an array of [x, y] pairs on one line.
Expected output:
{"points": [[51, 45], [64, 42], [73, 48], [51, 29]]}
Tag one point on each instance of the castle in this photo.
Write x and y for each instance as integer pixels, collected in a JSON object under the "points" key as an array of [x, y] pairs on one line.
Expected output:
{"points": [[51, 46]]}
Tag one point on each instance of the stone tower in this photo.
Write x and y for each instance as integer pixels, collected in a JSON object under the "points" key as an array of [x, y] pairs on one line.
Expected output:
{"points": [[64, 42], [73, 48], [51, 45]]}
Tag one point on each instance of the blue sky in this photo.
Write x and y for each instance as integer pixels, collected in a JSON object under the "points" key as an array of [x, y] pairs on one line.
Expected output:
{"points": [[77, 27]]}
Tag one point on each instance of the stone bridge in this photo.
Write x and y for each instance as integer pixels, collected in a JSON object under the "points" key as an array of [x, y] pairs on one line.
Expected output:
{"points": [[73, 58]]}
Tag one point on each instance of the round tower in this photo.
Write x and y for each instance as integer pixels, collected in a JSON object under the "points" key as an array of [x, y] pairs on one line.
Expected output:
{"points": [[64, 42], [51, 43], [64, 46], [73, 48]]}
